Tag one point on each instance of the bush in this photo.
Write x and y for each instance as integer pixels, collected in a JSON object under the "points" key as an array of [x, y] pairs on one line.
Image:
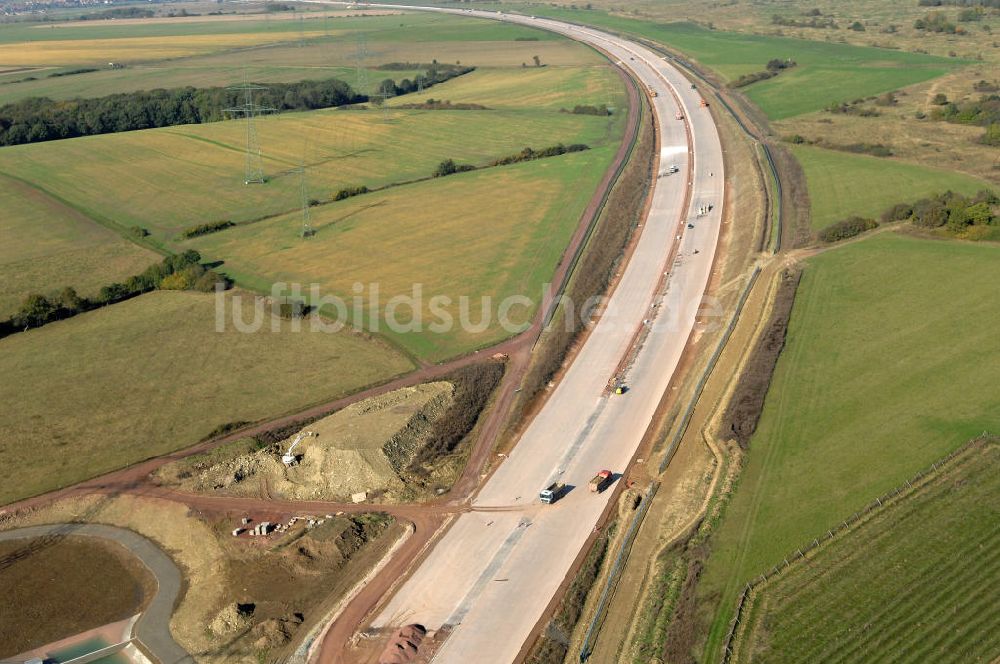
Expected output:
{"points": [[584, 109], [348, 192], [449, 167], [847, 228], [898, 212]]}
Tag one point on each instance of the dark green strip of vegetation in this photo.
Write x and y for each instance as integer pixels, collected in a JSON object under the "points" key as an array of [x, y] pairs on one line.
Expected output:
{"points": [[774, 67], [41, 119], [205, 229], [847, 228], [180, 272], [450, 166], [587, 109]]}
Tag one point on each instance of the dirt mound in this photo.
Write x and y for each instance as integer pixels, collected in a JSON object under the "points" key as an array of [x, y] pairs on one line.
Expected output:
{"points": [[363, 447], [232, 476], [232, 619]]}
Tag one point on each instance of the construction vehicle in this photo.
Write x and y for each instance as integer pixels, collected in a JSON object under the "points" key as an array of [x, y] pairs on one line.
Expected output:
{"points": [[679, 115], [551, 493], [601, 481], [289, 458], [702, 103], [653, 93], [621, 388]]}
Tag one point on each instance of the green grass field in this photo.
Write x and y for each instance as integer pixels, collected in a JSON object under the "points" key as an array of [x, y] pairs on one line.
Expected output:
{"points": [[826, 72], [173, 178], [48, 245], [330, 51], [885, 370], [842, 184], [917, 583], [151, 375], [496, 232]]}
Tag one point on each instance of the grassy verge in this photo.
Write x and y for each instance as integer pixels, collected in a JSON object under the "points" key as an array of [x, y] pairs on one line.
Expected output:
{"points": [[883, 372], [150, 375]]}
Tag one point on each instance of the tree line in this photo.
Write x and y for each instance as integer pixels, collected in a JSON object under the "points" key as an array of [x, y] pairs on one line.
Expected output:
{"points": [[450, 166], [180, 272], [951, 212], [436, 73], [37, 119]]}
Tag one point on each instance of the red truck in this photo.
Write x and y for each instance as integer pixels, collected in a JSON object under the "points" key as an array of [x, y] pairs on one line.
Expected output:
{"points": [[602, 481]]}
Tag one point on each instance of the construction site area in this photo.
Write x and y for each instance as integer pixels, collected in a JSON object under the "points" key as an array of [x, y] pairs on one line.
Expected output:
{"points": [[364, 452]]}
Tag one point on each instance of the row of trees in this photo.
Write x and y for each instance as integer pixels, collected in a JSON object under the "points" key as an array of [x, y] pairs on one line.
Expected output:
{"points": [[949, 211], [436, 73], [180, 272], [41, 119], [450, 166]]}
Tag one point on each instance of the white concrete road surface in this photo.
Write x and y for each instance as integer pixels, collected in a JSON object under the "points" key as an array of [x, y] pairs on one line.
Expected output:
{"points": [[493, 573]]}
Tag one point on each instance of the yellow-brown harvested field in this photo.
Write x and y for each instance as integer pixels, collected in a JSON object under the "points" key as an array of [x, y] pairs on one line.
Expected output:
{"points": [[170, 179], [498, 232], [128, 49], [48, 245], [153, 374]]}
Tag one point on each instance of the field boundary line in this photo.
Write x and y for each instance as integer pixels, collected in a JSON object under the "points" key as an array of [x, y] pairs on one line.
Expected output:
{"points": [[739, 628]]}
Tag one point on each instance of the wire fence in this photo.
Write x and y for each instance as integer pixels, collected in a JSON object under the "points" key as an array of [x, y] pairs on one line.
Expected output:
{"points": [[613, 576], [729, 648], [709, 368]]}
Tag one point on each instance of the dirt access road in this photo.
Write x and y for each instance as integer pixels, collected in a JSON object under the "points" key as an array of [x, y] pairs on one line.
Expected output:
{"points": [[492, 574]]}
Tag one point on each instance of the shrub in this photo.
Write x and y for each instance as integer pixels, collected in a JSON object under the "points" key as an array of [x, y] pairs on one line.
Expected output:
{"points": [[449, 167], [898, 212], [347, 192], [205, 229], [584, 109], [847, 228]]}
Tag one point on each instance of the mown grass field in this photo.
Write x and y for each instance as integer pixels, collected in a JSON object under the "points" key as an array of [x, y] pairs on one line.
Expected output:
{"points": [[492, 233], [100, 42], [885, 370], [916, 584], [826, 72], [173, 178], [208, 51], [150, 375], [47, 245], [842, 184], [530, 88]]}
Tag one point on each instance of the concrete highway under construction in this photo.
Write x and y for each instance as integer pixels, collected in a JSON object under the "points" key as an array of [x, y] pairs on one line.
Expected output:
{"points": [[491, 575]]}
